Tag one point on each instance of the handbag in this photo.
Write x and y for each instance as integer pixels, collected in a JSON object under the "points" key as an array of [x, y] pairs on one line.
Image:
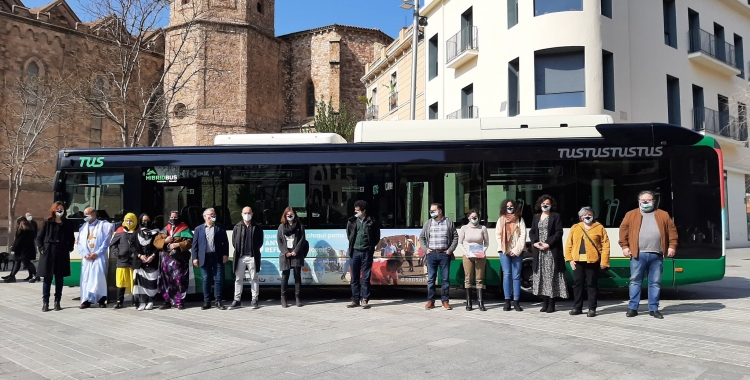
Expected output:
{"points": [[603, 271]]}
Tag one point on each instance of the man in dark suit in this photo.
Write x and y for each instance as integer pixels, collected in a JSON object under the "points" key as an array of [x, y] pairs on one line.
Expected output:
{"points": [[210, 253]]}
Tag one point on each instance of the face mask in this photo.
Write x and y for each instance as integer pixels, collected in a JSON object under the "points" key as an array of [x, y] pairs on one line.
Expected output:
{"points": [[510, 210], [358, 214], [588, 219], [290, 217], [648, 206], [87, 218], [212, 219], [433, 215], [174, 221], [129, 223], [59, 213], [29, 218], [145, 223], [247, 217], [546, 207], [474, 220]]}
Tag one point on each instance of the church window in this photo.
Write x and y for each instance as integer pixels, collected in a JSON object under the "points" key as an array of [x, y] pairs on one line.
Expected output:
{"points": [[97, 117], [259, 6], [179, 111], [310, 99]]}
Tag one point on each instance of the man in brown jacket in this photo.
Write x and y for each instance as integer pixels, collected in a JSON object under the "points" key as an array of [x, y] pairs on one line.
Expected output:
{"points": [[646, 234]]}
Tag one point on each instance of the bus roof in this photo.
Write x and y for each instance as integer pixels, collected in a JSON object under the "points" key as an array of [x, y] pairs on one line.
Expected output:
{"points": [[279, 139], [496, 128]]}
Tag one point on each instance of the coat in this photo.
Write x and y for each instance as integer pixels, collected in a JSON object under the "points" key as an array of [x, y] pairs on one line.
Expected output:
{"points": [[122, 249], [554, 240], [50, 262], [299, 245], [598, 235], [631, 228], [23, 246], [238, 243], [372, 230], [200, 244]]}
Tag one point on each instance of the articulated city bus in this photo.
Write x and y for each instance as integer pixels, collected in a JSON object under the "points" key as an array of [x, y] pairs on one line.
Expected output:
{"points": [[400, 168]]}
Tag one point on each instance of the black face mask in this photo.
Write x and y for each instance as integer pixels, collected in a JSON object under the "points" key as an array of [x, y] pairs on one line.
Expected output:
{"points": [[145, 223], [174, 221]]}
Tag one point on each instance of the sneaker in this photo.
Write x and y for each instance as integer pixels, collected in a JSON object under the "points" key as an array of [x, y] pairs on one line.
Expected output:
{"points": [[150, 306], [254, 303], [235, 305], [141, 307], [447, 306]]}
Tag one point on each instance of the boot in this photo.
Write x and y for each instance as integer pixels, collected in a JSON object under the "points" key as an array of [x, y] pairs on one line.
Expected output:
{"points": [[551, 308], [283, 301], [57, 306], [468, 300], [517, 306], [480, 298], [545, 305], [296, 296], [507, 305], [45, 307]]}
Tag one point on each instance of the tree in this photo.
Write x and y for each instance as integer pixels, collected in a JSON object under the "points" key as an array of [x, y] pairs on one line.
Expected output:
{"points": [[28, 132], [328, 120]]}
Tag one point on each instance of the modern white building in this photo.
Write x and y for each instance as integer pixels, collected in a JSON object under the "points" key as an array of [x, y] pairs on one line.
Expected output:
{"points": [[676, 61]]}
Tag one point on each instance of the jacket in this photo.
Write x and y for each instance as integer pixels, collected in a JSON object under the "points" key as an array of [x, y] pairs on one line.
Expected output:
{"points": [[299, 245], [424, 236], [23, 246], [55, 242], [598, 234], [518, 242], [121, 248], [238, 243], [554, 240], [372, 230], [631, 227], [200, 243], [146, 249], [180, 235]]}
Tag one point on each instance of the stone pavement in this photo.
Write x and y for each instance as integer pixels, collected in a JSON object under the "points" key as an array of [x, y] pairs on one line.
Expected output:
{"points": [[705, 335]]}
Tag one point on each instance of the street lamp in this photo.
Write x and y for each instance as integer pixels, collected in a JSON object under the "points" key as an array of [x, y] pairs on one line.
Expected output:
{"points": [[413, 4]]}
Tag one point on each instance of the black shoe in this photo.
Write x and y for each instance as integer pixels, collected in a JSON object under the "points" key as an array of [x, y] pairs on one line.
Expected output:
{"points": [[28, 278], [85, 305], [468, 300], [545, 305], [299, 302], [102, 305], [4, 277], [167, 305], [180, 307], [32, 280], [631, 313], [10, 279], [551, 307], [480, 298], [591, 313], [45, 307], [507, 305], [220, 305], [656, 314], [206, 306], [235, 305], [283, 302], [517, 305], [57, 306], [118, 305], [575, 312]]}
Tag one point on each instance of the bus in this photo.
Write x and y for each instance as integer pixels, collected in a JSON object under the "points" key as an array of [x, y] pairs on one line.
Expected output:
{"points": [[400, 168]]}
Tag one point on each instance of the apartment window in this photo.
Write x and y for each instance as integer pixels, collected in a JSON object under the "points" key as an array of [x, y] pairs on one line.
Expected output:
{"points": [[392, 92], [542, 7], [699, 112], [433, 111], [720, 44], [467, 101], [606, 8], [670, 23], [608, 80], [512, 13], [514, 95], [673, 100], [739, 56], [559, 78], [433, 67]]}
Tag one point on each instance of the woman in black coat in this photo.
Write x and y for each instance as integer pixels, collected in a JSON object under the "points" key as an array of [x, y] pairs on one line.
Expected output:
{"points": [[549, 261], [55, 241], [23, 250], [293, 249]]}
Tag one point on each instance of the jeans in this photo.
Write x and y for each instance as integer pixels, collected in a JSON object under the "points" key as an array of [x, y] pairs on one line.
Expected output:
{"points": [[437, 260], [47, 284], [245, 262], [212, 268], [586, 275], [361, 267], [650, 264], [511, 267]]}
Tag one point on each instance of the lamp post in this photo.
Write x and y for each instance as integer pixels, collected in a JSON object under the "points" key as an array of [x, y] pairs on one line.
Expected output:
{"points": [[409, 4]]}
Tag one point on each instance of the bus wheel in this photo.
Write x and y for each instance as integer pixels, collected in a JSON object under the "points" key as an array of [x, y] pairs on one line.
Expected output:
{"points": [[527, 271]]}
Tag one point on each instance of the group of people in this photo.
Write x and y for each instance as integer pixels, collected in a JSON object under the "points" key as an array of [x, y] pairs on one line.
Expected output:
{"points": [[151, 261]]}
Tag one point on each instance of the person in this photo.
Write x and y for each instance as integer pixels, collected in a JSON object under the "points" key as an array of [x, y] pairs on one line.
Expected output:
{"points": [[94, 237], [363, 233], [123, 247], [474, 240], [293, 247], [247, 240], [587, 250], [32, 256], [145, 265], [409, 252], [440, 239], [549, 261], [646, 234], [22, 250], [210, 253], [511, 242], [55, 241], [174, 243]]}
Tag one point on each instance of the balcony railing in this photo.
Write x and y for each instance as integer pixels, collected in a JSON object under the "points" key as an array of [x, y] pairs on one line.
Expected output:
{"points": [[371, 113], [470, 112], [466, 39], [393, 101], [719, 123], [703, 41]]}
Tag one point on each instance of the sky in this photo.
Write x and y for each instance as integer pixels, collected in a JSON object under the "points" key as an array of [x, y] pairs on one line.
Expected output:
{"points": [[296, 15]]}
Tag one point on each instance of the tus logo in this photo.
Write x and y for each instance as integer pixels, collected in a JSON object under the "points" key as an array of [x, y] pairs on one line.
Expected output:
{"points": [[92, 162]]}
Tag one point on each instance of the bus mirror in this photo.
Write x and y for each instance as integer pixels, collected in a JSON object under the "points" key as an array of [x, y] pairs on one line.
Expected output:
{"points": [[57, 183]]}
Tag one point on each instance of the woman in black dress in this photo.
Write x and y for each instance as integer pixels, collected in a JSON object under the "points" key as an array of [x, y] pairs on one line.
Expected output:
{"points": [[23, 249], [549, 262], [55, 242], [293, 249]]}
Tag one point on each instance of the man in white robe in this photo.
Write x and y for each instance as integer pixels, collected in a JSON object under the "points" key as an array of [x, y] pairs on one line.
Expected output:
{"points": [[92, 244]]}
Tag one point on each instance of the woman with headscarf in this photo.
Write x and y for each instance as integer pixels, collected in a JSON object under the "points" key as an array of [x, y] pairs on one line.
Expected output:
{"points": [[174, 242], [122, 248], [145, 265]]}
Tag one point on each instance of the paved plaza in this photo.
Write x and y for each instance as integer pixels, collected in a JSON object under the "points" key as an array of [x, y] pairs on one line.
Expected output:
{"points": [[705, 335]]}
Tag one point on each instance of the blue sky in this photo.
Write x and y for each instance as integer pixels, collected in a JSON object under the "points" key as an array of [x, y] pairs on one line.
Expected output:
{"points": [[296, 15]]}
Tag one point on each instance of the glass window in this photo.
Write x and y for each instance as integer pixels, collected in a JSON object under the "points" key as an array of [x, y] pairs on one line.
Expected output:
{"points": [[188, 191], [606, 8], [673, 100], [335, 188], [514, 89], [433, 57], [268, 190], [457, 187], [512, 13], [559, 79], [542, 7], [102, 191], [670, 23], [433, 111], [608, 80]]}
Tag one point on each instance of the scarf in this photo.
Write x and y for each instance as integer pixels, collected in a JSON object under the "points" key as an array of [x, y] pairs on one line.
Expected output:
{"points": [[290, 229], [508, 228]]}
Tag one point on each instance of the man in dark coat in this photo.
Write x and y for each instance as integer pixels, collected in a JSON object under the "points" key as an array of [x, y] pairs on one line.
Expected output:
{"points": [[363, 233], [247, 239], [210, 253]]}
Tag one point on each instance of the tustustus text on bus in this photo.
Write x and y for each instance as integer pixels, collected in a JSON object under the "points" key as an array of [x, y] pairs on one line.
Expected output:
{"points": [[611, 152]]}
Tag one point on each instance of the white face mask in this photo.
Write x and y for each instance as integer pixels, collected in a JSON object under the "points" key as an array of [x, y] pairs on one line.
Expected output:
{"points": [[474, 220], [212, 219], [59, 213], [247, 217], [546, 207], [358, 214], [87, 218], [29, 218], [290, 217], [588, 219], [434, 215]]}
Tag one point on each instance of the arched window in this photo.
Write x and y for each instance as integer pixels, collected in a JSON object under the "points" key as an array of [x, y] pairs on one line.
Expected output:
{"points": [[32, 70], [97, 117], [259, 6], [179, 111], [32, 80], [310, 99]]}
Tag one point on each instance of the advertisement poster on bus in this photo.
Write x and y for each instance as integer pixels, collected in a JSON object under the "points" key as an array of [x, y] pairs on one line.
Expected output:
{"points": [[398, 259]]}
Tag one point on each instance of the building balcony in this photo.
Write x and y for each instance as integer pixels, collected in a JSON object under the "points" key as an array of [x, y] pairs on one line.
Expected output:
{"points": [[470, 112], [719, 124], [371, 113], [393, 101], [711, 52], [462, 47]]}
